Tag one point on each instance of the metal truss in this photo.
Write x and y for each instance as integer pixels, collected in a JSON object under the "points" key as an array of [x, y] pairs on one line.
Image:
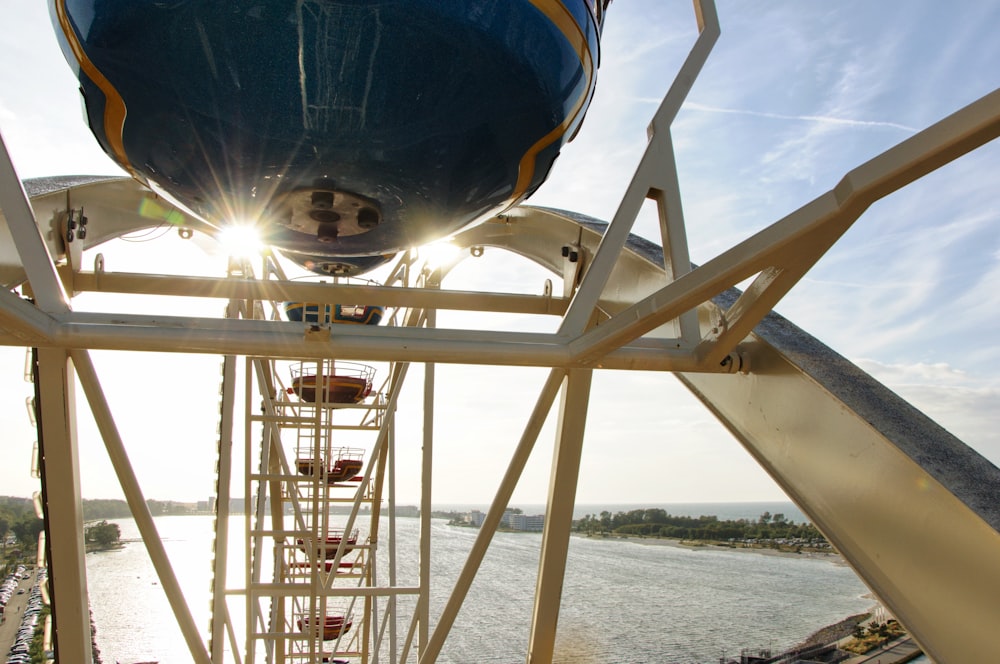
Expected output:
{"points": [[805, 413]]}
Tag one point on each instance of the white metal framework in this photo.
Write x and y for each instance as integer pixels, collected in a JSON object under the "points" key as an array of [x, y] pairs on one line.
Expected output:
{"points": [[625, 304]]}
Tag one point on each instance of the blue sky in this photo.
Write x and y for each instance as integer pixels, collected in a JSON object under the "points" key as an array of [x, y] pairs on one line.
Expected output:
{"points": [[795, 94]]}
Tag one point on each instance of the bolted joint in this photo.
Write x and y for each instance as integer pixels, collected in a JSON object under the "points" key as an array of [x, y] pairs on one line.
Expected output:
{"points": [[736, 363]]}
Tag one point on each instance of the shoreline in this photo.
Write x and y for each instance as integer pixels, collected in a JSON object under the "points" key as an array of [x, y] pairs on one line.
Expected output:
{"points": [[827, 635], [700, 545]]}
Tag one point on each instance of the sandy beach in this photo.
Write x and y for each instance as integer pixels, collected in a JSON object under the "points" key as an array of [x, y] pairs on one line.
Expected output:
{"points": [[695, 545]]}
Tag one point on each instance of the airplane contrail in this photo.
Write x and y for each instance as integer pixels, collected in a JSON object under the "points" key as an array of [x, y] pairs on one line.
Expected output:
{"points": [[802, 118]]}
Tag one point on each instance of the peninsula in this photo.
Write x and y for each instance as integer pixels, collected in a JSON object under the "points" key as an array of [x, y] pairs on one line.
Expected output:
{"points": [[769, 531]]}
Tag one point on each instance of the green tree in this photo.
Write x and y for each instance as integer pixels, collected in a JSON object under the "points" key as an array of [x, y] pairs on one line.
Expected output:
{"points": [[103, 533], [605, 521], [654, 515], [588, 524], [26, 529]]}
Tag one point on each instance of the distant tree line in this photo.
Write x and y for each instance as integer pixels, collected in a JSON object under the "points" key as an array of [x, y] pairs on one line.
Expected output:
{"points": [[655, 522], [17, 518], [118, 509], [104, 508]]}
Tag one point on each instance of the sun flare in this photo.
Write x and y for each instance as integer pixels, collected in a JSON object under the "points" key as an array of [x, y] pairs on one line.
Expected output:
{"points": [[240, 240]]}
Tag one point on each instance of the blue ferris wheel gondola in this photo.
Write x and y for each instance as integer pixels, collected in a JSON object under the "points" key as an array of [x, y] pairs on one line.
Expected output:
{"points": [[302, 312], [341, 128]]}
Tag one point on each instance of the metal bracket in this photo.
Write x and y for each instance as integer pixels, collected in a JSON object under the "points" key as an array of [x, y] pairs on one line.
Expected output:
{"points": [[317, 332], [573, 263], [736, 362]]}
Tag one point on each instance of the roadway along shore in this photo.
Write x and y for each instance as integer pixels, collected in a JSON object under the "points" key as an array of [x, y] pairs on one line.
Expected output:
{"points": [[13, 612]]}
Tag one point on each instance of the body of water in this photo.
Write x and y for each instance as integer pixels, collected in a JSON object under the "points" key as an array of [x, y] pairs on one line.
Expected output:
{"points": [[725, 511], [622, 602]]}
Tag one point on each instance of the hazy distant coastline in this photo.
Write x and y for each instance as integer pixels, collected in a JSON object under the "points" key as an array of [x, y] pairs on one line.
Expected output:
{"points": [[691, 545], [724, 510]]}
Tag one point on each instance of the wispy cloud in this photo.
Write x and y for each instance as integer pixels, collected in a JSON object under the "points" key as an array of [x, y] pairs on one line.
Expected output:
{"points": [[819, 119], [794, 95], [959, 402]]}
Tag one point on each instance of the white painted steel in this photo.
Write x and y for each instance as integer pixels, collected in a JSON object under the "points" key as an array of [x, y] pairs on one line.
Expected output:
{"points": [[909, 506], [111, 203], [422, 613], [23, 237], [220, 563], [63, 504], [138, 507], [656, 178], [539, 235], [280, 340], [559, 514], [322, 293], [389, 619], [22, 322], [493, 516], [288, 590], [635, 309]]}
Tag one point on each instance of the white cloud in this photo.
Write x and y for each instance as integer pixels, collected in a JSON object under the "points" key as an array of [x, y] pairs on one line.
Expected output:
{"points": [[916, 272], [939, 374], [964, 405]]}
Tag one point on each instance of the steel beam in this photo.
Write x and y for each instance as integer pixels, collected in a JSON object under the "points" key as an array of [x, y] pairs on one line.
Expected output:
{"points": [[423, 607], [57, 440], [285, 340], [493, 516], [318, 291], [656, 178], [114, 206], [911, 507], [559, 515], [27, 324], [32, 251], [138, 506], [220, 562]]}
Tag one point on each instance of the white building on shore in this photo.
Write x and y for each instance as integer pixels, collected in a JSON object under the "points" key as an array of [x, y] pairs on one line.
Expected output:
{"points": [[523, 522]]}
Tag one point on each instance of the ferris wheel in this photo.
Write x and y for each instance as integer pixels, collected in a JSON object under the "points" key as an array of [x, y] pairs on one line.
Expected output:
{"points": [[359, 142]]}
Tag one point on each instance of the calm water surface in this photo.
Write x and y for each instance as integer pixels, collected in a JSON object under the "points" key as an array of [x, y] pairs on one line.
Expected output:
{"points": [[622, 601]]}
